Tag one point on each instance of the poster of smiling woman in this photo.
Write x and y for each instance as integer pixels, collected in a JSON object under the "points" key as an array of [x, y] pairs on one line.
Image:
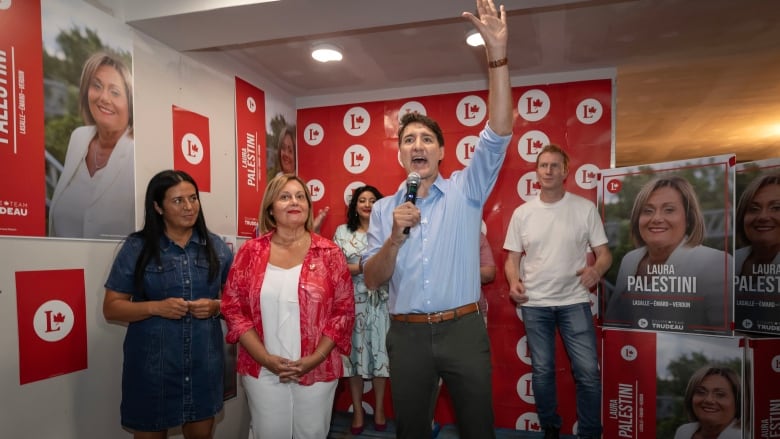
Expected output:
{"points": [[757, 258], [671, 237], [87, 58], [70, 172], [669, 385]]}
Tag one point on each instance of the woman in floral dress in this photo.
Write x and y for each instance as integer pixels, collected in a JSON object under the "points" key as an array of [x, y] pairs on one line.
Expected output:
{"points": [[368, 359]]}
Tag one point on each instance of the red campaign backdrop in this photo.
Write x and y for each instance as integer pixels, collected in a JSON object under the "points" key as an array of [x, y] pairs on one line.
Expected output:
{"points": [[764, 381], [250, 149], [191, 147], [51, 309], [343, 147], [22, 179]]}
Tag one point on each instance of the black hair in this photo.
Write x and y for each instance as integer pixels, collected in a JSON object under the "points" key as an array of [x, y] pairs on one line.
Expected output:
{"points": [[415, 117], [353, 220], [154, 226]]}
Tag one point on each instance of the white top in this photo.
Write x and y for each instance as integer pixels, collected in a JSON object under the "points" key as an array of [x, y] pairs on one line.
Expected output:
{"points": [[109, 207], [281, 311], [74, 201], [556, 238], [710, 304], [741, 254], [686, 431]]}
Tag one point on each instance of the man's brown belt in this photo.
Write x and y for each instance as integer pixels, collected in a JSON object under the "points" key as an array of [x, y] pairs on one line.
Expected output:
{"points": [[437, 317]]}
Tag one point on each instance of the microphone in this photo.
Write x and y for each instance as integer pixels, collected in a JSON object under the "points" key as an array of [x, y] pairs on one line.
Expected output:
{"points": [[412, 183]]}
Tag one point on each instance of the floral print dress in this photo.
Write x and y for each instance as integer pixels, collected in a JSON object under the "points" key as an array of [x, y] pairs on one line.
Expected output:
{"points": [[368, 358]]}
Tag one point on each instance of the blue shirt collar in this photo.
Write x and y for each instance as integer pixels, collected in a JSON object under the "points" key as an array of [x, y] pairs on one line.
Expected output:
{"points": [[166, 243]]}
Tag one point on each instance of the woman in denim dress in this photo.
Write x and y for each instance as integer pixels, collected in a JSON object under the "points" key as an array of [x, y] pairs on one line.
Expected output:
{"points": [[165, 283]]}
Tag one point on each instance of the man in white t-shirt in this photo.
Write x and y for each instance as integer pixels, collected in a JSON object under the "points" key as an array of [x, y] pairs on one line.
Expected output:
{"points": [[548, 240]]}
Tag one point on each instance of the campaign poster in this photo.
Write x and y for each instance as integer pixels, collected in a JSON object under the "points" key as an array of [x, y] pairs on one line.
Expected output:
{"points": [[89, 143], [192, 146], [51, 308], [282, 150], [22, 186], [757, 242], [763, 366], [647, 376], [281, 154], [671, 235], [250, 146]]}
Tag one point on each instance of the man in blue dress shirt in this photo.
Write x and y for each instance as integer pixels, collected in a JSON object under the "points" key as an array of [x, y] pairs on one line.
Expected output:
{"points": [[433, 271]]}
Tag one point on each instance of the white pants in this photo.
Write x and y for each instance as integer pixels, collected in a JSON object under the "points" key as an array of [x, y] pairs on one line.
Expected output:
{"points": [[288, 410]]}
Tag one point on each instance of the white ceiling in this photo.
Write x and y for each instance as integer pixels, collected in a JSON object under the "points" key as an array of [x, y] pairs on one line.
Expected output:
{"points": [[694, 77]]}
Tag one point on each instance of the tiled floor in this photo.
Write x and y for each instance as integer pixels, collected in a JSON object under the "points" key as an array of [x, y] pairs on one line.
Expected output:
{"points": [[341, 423]]}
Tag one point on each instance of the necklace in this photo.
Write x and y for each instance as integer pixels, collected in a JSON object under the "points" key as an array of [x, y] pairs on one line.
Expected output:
{"points": [[95, 160]]}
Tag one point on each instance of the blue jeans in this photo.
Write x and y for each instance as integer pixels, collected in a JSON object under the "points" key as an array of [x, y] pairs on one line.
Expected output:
{"points": [[575, 324]]}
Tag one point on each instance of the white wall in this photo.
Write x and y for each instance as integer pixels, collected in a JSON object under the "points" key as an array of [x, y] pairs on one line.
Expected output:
{"points": [[85, 404]]}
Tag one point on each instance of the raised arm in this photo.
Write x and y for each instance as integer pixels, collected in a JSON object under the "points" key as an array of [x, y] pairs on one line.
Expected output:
{"points": [[491, 24]]}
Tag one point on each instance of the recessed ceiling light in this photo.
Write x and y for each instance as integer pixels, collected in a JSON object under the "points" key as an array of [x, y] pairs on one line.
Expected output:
{"points": [[474, 38], [326, 53]]}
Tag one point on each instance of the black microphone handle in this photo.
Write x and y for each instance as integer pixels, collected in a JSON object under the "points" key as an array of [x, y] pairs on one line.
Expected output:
{"points": [[411, 195]]}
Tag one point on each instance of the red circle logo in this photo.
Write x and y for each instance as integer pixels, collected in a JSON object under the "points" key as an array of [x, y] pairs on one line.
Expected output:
{"points": [[614, 186]]}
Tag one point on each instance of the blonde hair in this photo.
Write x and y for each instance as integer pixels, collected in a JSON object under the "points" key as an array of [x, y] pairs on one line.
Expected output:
{"points": [[266, 222], [694, 218], [285, 132], [734, 382], [91, 66], [747, 197]]}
